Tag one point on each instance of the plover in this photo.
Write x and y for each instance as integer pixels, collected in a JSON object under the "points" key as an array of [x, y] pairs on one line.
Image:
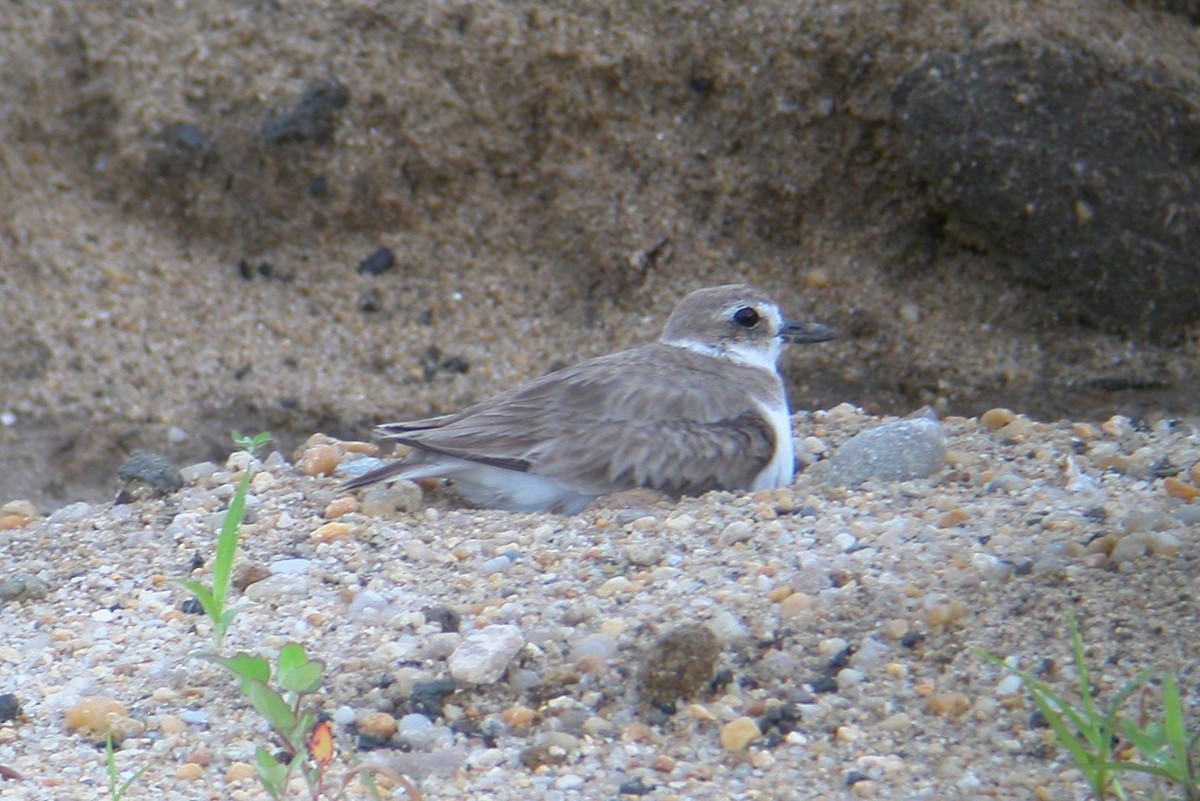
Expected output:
{"points": [[703, 408]]}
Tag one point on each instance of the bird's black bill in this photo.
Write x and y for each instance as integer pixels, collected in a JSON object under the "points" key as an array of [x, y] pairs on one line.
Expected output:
{"points": [[800, 333]]}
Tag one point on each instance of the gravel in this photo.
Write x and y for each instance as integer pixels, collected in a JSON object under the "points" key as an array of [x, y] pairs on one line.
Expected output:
{"points": [[489, 654]]}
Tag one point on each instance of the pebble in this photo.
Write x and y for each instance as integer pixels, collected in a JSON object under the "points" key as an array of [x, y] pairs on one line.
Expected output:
{"points": [[678, 664], [238, 771], [485, 654], [154, 470], [379, 725], [953, 704], [996, 419], [518, 717], [388, 499], [735, 532], [319, 458], [16, 514], [189, 771], [1178, 489], [614, 586], [97, 714], [736, 735], [332, 531], [897, 451], [338, 507], [73, 511], [22, 587]]}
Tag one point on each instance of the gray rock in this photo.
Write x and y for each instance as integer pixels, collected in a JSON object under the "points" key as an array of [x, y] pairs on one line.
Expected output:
{"points": [[22, 587], [897, 451], [1083, 178], [153, 470], [484, 655]]}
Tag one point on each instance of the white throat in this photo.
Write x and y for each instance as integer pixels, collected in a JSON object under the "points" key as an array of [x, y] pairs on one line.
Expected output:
{"points": [[739, 352]]}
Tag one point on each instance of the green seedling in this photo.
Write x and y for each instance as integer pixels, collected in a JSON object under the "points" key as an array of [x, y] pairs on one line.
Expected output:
{"points": [[307, 741], [116, 787], [1092, 734], [1165, 748], [212, 599]]}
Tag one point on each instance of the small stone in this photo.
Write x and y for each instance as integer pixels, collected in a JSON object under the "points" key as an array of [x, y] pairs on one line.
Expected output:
{"points": [[900, 721], [996, 419], [678, 664], [22, 587], [947, 613], [735, 532], [1130, 547], [319, 456], [795, 604], [953, 704], [189, 771], [1178, 489], [518, 717], [378, 725], [339, 507], [736, 735], [614, 586], [332, 531], [97, 714], [248, 573], [381, 260], [238, 771], [484, 655], [1163, 543], [896, 451], [171, 724], [16, 514], [10, 707], [155, 471]]}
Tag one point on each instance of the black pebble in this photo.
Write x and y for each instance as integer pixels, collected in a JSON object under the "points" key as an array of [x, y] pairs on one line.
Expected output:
{"points": [[10, 707], [443, 616], [191, 607], [428, 696], [378, 262]]}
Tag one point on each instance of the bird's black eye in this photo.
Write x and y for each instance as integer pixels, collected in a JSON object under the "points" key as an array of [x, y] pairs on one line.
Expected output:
{"points": [[746, 317]]}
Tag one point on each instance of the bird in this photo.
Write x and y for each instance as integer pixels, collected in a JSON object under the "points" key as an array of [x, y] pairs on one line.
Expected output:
{"points": [[703, 408]]}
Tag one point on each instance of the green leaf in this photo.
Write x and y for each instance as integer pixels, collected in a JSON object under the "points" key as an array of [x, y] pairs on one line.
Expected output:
{"points": [[291, 656], [272, 707], [272, 774], [201, 593], [247, 667], [301, 679], [227, 541]]}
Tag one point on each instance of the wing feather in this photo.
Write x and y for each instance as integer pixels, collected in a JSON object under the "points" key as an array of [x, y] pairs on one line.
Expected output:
{"points": [[614, 422]]}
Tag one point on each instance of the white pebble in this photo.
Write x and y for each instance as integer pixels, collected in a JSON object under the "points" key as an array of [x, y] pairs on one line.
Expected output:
{"points": [[484, 655]]}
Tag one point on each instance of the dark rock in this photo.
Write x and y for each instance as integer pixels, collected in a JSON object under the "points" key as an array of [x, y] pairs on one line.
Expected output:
{"points": [[378, 262], [191, 606], [151, 469], [678, 664], [10, 707], [443, 616], [1084, 178], [312, 119], [636, 786], [428, 696]]}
